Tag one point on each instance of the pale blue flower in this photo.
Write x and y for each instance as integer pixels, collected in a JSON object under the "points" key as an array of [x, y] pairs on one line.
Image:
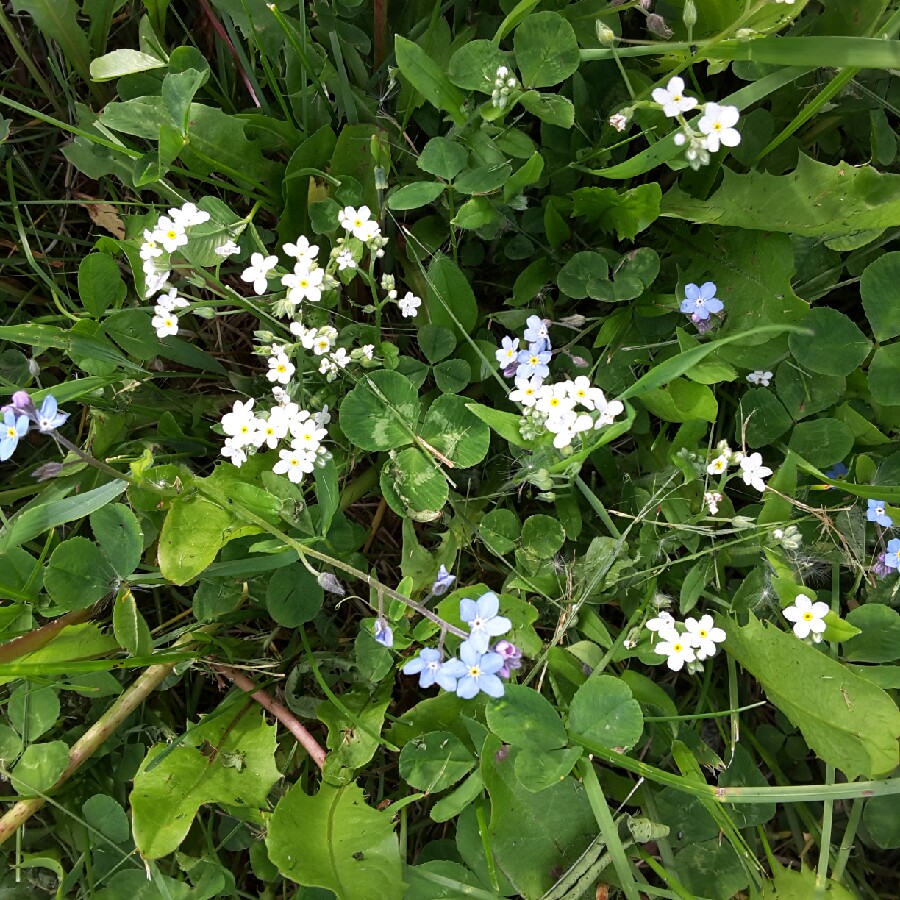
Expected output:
{"points": [[876, 513], [14, 427], [533, 363], [484, 623], [383, 632], [892, 557], [475, 671], [837, 472], [699, 302], [442, 583], [536, 333], [508, 352], [48, 416], [427, 665]]}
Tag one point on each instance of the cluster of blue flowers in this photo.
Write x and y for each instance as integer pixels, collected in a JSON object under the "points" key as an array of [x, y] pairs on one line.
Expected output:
{"points": [[479, 666], [531, 361], [890, 559], [20, 414], [701, 302]]}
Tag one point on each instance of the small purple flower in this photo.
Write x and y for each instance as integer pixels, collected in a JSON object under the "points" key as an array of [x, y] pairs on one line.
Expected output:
{"points": [[475, 671], [14, 427], [533, 363], [484, 623], [442, 583], [48, 416], [881, 568], [892, 557], [837, 472], [876, 513], [512, 657], [703, 325], [700, 301], [427, 665], [383, 632], [536, 332]]}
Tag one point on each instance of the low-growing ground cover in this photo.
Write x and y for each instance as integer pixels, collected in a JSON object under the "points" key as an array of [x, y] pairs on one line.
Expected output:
{"points": [[450, 450]]}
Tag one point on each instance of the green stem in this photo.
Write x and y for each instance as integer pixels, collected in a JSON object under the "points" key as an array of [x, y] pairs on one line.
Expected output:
{"points": [[598, 507], [840, 863]]}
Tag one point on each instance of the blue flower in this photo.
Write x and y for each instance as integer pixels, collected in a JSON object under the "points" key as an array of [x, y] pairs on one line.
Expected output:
{"points": [[484, 623], [892, 557], [48, 416], [14, 427], [876, 513], [427, 665], [442, 583], [383, 632], [475, 671], [839, 471], [508, 352], [533, 363], [699, 302], [536, 332]]}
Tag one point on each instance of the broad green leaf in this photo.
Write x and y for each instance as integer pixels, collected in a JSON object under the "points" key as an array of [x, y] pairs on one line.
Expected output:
{"points": [[815, 200], [433, 762], [846, 720], [546, 50], [106, 815], [821, 441], [455, 432], [130, 627], [878, 288], [500, 529], [835, 345], [554, 109], [523, 718], [442, 879], [229, 758], [33, 710], [879, 640], [884, 375], [334, 840], [414, 485], [475, 213], [100, 284], [436, 342], [483, 179], [449, 299], [682, 401], [78, 574], [537, 770], [381, 412], [443, 157], [294, 596], [456, 801], [123, 62], [604, 711], [762, 419], [542, 536], [712, 870], [532, 836], [414, 195], [118, 532], [528, 173], [882, 822], [626, 212], [803, 884], [584, 275], [194, 531], [39, 768], [503, 423], [132, 331], [473, 67], [352, 742], [452, 375], [56, 21], [425, 75]]}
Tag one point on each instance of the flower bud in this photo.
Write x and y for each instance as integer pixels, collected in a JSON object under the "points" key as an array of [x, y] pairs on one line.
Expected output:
{"points": [[689, 15], [605, 34], [657, 26]]}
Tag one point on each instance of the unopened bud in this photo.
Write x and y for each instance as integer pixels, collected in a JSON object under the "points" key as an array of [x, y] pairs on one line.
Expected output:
{"points": [[33, 368], [656, 25], [605, 34], [574, 321], [47, 471], [330, 583], [689, 16]]}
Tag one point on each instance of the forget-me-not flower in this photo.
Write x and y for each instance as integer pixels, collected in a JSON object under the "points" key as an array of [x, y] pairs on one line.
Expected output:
{"points": [[700, 301], [14, 427], [383, 632], [476, 672], [508, 352], [838, 471], [49, 417], [443, 582], [533, 363], [892, 557], [536, 334], [482, 619], [427, 665], [876, 513]]}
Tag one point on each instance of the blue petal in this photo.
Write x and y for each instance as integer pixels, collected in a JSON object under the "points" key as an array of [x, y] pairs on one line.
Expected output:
{"points": [[468, 609], [708, 290], [454, 668], [701, 312], [491, 685], [427, 678], [476, 644], [48, 407], [715, 305], [491, 663], [414, 666], [488, 605], [445, 681], [467, 687], [691, 291], [7, 445], [687, 306]]}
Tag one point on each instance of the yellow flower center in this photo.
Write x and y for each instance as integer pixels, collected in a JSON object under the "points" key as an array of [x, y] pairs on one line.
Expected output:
{"points": [[808, 617], [718, 126], [171, 235], [702, 632], [475, 671], [677, 648], [11, 432]]}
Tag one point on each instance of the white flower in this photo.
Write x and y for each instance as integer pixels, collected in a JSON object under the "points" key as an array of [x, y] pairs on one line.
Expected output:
{"points": [[760, 377], [753, 471], [358, 222], [321, 345], [703, 635], [150, 249], [608, 410], [807, 617], [340, 358], [345, 260], [502, 72], [409, 305], [303, 251], [663, 620], [676, 647], [508, 352], [323, 417], [717, 123], [309, 437], [165, 322], [234, 451], [170, 234], [718, 465], [294, 463], [672, 98], [582, 391], [155, 282], [618, 121], [554, 400], [241, 424], [280, 368], [256, 272], [712, 499], [526, 391], [367, 351], [229, 248], [171, 301], [189, 215], [304, 284]]}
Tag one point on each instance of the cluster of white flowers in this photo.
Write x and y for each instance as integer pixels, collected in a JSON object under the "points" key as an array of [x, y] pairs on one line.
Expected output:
{"points": [[714, 129], [564, 408], [168, 236], [752, 470], [694, 644], [248, 431], [504, 84]]}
